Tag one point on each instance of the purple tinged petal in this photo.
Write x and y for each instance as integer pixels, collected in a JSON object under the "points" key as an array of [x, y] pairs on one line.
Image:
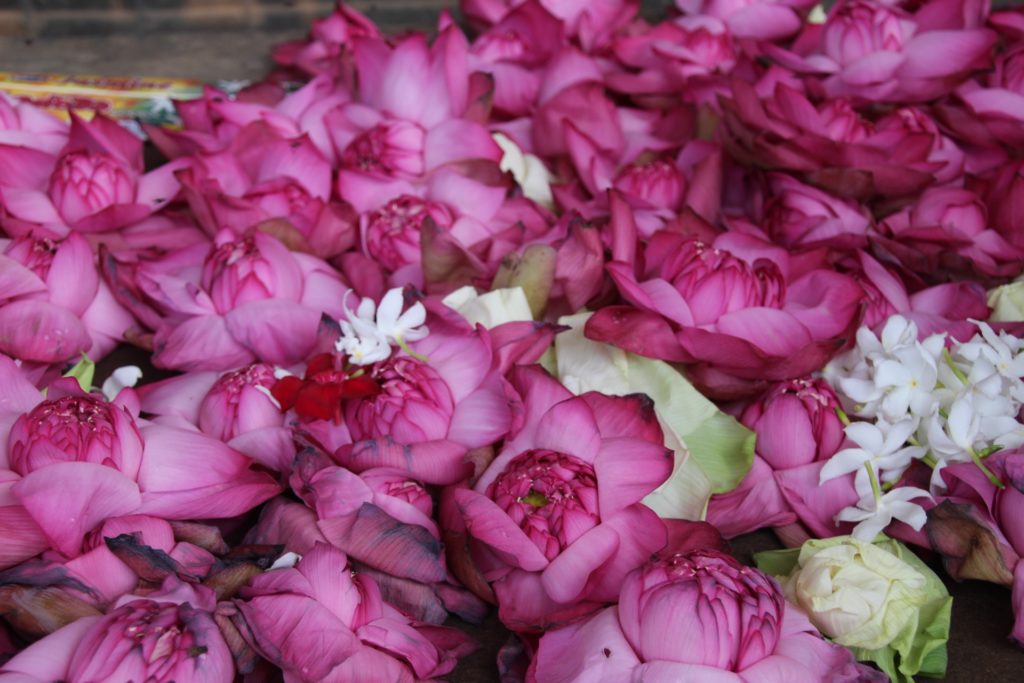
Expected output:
{"points": [[938, 54], [431, 462], [384, 543], [180, 395]]}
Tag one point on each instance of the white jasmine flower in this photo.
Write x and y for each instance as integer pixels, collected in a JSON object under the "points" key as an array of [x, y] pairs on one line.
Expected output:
{"points": [[881, 446], [874, 514], [369, 332]]}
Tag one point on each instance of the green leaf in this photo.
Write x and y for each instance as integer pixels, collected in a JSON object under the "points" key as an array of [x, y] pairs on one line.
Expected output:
{"points": [[84, 371]]}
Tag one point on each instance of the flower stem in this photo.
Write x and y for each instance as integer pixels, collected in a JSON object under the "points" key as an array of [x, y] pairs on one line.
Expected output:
{"points": [[405, 347], [953, 366], [876, 490], [988, 473]]}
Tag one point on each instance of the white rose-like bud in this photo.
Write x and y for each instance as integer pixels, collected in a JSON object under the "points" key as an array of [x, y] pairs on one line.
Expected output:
{"points": [[856, 593]]}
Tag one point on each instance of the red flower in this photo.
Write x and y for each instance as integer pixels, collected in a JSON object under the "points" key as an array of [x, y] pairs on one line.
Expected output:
{"points": [[319, 393]]}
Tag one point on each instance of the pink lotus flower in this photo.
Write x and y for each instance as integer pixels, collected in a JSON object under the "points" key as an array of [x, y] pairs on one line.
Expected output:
{"points": [[24, 125], [235, 407], [1001, 189], [690, 54], [877, 53], [759, 19], [211, 123], [947, 231], [320, 621], [695, 616], [328, 48], [554, 524], [281, 184], [412, 114], [435, 409], [796, 424], [77, 460], [799, 216], [593, 25], [987, 112], [514, 50], [53, 305], [830, 146], [382, 520], [95, 184], [941, 308], [236, 301], [736, 310], [167, 635]]}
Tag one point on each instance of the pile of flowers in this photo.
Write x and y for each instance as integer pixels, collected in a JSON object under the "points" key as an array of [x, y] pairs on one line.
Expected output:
{"points": [[533, 317]]}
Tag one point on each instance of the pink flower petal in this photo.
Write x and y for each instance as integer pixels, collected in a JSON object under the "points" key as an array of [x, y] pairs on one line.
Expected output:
{"points": [[566, 576], [628, 469], [431, 462], [40, 331], [199, 343], [487, 522], [68, 499], [274, 330], [187, 475], [594, 649]]}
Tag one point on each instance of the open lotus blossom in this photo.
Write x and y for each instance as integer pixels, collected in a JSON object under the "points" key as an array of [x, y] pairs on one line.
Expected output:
{"points": [[796, 424], [760, 19], [75, 460], [875, 52], [211, 123], [320, 621], [53, 304], [947, 230], [382, 520], [592, 25], [695, 616], [514, 49], [166, 635], [412, 114], [230, 303], [830, 145], [235, 407], [690, 54], [328, 48], [554, 523], [281, 184], [426, 410], [94, 184], [736, 310], [25, 125]]}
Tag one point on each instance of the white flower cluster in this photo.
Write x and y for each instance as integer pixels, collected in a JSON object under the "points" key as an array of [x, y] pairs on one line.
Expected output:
{"points": [[921, 399], [369, 333]]}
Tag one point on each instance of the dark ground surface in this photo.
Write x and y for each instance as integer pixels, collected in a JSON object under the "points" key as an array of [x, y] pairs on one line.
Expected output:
{"points": [[982, 613]]}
